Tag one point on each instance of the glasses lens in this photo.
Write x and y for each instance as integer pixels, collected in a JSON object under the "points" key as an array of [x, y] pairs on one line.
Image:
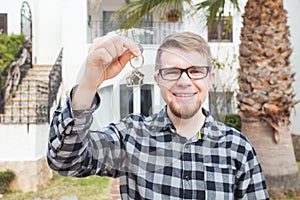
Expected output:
{"points": [[197, 72], [170, 74]]}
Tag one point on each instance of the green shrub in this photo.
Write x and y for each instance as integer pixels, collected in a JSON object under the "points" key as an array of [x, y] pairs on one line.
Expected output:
{"points": [[9, 48], [6, 177], [234, 121]]}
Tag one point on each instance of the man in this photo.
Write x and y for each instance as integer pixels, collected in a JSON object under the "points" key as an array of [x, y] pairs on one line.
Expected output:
{"points": [[179, 153]]}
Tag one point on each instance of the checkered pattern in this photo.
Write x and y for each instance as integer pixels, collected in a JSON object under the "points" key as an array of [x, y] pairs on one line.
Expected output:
{"points": [[152, 160]]}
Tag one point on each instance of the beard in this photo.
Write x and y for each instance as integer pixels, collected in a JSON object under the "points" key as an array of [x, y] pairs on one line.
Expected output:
{"points": [[185, 112]]}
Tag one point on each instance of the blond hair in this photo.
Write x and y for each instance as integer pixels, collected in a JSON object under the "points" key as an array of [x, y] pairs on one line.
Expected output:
{"points": [[186, 41]]}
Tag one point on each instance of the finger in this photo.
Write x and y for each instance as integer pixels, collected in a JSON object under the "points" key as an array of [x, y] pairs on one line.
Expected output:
{"points": [[95, 44], [113, 44], [131, 46], [124, 58], [99, 56]]}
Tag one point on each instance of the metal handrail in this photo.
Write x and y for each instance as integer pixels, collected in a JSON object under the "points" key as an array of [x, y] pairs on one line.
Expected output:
{"points": [[55, 79], [24, 64], [21, 112]]}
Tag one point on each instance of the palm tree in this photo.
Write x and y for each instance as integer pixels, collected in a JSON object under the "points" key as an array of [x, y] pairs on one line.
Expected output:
{"points": [[265, 97], [136, 10]]}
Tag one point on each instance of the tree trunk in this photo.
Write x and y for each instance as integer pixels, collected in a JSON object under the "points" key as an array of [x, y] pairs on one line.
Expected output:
{"points": [[277, 159], [266, 97]]}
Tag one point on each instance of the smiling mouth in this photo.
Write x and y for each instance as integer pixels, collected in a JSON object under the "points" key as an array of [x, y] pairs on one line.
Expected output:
{"points": [[184, 94]]}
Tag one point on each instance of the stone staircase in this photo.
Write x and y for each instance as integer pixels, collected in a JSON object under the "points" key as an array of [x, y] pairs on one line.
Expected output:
{"points": [[30, 102]]}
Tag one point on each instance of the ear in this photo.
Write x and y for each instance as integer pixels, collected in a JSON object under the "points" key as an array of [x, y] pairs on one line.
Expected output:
{"points": [[212, 75], [155, 76]]}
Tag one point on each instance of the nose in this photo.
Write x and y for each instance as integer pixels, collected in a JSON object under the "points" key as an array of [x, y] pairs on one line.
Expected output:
{"points": [[184, 79]]}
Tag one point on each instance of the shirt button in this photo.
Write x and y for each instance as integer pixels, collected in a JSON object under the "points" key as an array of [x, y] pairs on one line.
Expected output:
{"points": [[187, 177]]}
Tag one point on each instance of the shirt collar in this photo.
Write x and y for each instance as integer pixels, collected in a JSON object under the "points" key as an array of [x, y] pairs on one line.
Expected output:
{"points": [[211, 130], [166, 122]]}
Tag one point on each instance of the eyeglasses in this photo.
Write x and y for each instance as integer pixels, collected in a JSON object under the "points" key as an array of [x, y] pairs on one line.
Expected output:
{"points": [[193, 72]]}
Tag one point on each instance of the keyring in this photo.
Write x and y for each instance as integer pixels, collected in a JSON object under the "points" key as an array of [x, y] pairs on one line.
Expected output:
{"points": [[136, 62], [136, 78]]}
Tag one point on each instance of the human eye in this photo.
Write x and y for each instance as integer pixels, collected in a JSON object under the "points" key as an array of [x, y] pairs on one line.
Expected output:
{"points": [[197, 70], [170, 72]]}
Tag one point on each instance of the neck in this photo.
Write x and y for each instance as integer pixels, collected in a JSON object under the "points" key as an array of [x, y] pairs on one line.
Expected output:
{"points": [[187, 127]]}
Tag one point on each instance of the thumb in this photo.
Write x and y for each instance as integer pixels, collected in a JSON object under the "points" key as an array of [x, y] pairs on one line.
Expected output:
{"points": [[125, 58]]}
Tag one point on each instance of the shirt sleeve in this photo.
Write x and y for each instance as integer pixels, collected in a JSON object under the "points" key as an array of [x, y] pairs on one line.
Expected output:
{"points": [[251, 182], [75, 150]]}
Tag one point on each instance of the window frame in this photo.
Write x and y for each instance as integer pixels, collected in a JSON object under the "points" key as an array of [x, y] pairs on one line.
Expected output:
{"points": [[3, 23], [217, 30]]}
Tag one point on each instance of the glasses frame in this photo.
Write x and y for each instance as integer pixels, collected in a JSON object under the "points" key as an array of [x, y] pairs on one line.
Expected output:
{"points": [[184, 70]]}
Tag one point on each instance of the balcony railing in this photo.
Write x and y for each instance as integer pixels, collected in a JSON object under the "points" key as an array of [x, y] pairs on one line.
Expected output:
{"points": [[148, 33]]}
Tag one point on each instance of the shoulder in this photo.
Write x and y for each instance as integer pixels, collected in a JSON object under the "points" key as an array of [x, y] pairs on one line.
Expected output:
{"points": [[236, 138]]}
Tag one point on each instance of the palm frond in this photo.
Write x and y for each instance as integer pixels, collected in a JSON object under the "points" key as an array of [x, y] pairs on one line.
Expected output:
{"points": [[214, 9], [132, 13]]}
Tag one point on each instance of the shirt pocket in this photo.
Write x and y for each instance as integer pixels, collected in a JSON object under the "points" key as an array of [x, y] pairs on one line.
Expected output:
{"points": [[220, 181]]}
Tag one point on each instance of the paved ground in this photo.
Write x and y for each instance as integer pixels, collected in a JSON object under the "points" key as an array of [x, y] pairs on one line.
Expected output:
{"points": [[115, 192]]}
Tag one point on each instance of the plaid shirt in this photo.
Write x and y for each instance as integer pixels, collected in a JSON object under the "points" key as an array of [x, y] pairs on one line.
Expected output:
{"points": [[152, 160]]}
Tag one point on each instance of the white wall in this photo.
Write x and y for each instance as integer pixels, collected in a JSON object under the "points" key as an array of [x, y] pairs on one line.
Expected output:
{"points": [[16, 144], [46, 27], [46, 31], [74, 38], [293, 7], [12, 8]]}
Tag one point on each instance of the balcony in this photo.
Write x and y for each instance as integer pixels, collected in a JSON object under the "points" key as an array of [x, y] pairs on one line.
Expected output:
{"points": [[148, 33]]}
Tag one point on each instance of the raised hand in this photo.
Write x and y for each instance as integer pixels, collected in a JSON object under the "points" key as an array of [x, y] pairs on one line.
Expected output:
{"points": [[107, 57]]}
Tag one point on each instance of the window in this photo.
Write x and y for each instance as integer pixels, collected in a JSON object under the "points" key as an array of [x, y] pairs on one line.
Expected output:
{"points": [[131, 100], [220, 104], [126, 100], [108, 25], [221, 30], [146, 99], [142, 100], [3, 23]]}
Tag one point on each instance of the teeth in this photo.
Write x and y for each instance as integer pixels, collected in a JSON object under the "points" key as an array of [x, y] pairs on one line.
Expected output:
{"points": [[184, 95]]}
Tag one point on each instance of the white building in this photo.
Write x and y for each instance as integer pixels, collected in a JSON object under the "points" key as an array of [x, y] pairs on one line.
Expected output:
{"points": [[72, 24]]}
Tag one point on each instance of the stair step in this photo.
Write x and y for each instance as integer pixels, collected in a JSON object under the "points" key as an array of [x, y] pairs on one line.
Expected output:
{"points": [[38, 74], [37, 68], [29, 84], [33, 88], [28, 101], [23, 118], [36, 79], [49, 66], [38, 92], [30, 95], [26, 111], [26, 107]]}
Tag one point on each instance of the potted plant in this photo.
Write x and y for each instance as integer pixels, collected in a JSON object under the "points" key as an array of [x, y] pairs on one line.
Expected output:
{"points": [[173, 15]]}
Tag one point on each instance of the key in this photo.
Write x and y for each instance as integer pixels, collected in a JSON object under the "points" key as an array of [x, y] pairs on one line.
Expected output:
{"points": [[136, 77]]}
